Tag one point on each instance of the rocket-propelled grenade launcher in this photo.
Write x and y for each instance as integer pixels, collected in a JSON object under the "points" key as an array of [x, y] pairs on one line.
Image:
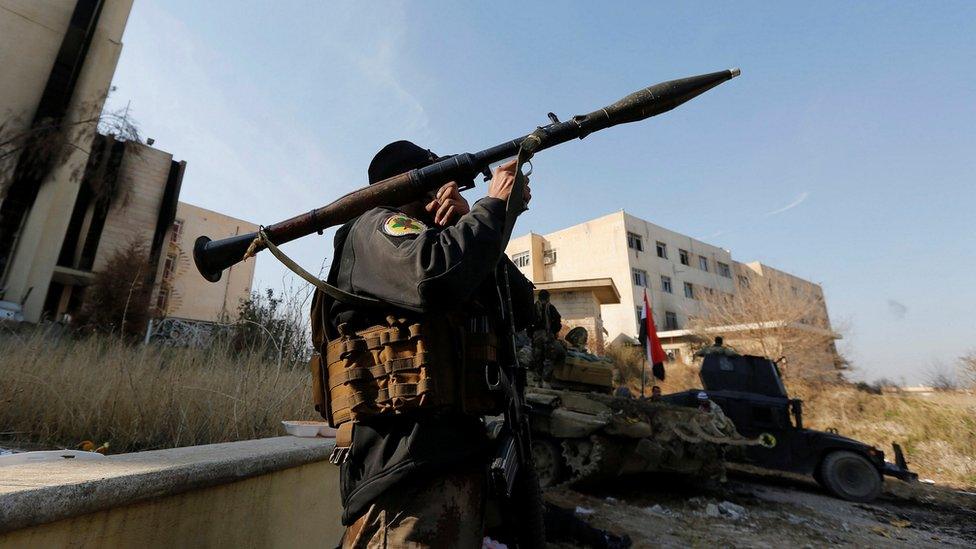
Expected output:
{"points": [[212, 257]]}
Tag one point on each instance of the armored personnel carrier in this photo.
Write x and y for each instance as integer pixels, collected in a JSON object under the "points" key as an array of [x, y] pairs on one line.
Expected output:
{"points": [[583, 432]]}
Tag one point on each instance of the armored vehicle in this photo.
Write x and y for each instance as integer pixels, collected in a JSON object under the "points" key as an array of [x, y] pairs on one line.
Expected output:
{"points": [[750, 391], [582, 431]]}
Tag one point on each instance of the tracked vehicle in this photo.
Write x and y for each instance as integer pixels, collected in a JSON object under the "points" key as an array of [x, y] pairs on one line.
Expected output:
{"points": [[582, 432]]}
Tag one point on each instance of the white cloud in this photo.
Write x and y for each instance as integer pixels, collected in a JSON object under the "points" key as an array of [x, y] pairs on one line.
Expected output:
{"points": [[796, 202]]}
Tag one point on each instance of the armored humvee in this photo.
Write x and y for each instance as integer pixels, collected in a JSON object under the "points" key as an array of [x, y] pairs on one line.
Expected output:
{"points": [[750, 391]]}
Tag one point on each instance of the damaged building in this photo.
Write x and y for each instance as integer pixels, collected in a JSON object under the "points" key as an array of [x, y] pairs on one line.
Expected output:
{"points": [[72, 197]]}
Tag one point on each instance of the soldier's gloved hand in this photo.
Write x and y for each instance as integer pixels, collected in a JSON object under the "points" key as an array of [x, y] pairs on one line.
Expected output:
{"points": [[448, 205], [503, 180]]}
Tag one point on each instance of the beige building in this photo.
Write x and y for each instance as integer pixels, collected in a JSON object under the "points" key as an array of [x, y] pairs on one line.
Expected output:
{"points": [[71, 197], [637, 256], [579, 303], [183, 292], [57, 61], [140, 211]]}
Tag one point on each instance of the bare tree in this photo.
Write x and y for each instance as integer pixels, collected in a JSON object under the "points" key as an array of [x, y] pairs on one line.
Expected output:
{"points": [[118, 299], [941, 377], [46, 144], [967, 368], [773, 320]]}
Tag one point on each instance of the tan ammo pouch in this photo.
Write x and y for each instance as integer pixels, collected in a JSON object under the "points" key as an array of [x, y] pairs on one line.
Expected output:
{"points": [[384, 370]]}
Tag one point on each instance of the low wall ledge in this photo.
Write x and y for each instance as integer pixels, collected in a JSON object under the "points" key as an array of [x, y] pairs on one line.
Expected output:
{"points": [[38, 493]]}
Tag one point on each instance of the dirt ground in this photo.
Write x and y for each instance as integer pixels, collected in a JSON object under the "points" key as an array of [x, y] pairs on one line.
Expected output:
{"points": [[760, 510]]}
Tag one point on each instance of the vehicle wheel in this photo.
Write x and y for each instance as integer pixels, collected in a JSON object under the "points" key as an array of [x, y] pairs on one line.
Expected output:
{"points": [[850, 476], [548, 461]]}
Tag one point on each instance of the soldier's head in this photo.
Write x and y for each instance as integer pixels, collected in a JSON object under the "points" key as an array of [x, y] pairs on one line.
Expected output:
{"points": [[656, 391], [399, 157], [396, 158], [719, 341], [544, 296]]}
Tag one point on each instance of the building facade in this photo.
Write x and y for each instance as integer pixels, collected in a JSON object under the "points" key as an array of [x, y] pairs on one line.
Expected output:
{"points": [[579, 304], [58, 59], [676, 271], [183, 293], [127, 197], [71, 198]]}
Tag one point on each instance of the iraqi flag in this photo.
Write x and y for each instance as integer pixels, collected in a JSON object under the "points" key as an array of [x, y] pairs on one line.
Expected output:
{"points": [[650, 341]]}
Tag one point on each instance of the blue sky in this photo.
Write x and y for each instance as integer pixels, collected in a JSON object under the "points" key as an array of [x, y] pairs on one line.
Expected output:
{"points": [[845, 153]]}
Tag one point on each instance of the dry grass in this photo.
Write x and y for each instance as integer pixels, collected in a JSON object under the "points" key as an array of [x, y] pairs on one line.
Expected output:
{"points": [[938, 433], [59, 391]]}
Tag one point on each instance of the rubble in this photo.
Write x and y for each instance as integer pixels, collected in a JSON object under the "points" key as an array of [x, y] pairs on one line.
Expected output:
{"points": [[731, 510]]}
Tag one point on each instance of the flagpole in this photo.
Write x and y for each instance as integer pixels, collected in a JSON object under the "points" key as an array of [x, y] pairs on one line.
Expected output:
{"points": [[643, 372]]}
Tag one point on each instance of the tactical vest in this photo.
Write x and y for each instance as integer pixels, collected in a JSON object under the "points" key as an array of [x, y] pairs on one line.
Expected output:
{"points": [[405, 366]]}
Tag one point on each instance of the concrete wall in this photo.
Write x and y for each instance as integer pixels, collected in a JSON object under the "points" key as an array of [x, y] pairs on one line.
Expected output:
{"points": [[32, 31], [279, 492], [40, 26], [143, 175], [759, 273], [581, 308], [191, 295]]}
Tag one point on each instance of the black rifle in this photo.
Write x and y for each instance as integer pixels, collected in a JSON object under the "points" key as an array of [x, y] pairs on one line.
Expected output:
{"points": [[212, 257]]}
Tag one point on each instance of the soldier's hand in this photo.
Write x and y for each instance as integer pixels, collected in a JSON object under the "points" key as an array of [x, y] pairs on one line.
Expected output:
{"points": [[503, 180], [448, 205]]}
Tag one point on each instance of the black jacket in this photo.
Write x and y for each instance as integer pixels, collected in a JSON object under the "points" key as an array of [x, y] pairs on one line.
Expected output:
{"points": [[416, 269]]}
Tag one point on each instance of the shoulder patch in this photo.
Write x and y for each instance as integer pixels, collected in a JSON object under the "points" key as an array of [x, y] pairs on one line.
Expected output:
{"points": [[403, 225]]}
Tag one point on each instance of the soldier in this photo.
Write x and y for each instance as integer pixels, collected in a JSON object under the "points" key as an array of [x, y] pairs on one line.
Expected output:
{"points": [[406, 354], [717, 348], [545, 327], [547, 317]]}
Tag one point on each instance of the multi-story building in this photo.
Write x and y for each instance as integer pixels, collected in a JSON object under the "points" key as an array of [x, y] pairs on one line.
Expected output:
{"points": [[72, 198], [676, 271], [128, 195], [183, 293], [57, 62]]}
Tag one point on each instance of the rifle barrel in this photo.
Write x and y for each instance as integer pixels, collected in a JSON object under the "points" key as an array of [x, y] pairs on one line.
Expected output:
{"points": [[213, 256]]}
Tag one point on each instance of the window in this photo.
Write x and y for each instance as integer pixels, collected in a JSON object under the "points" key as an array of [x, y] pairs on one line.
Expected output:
{"points": [[662, 250], [640, 277], [703, 263], [177, 231], [169, 267], [635, 241], [683, 256], [548, 257], [744, 281], [689, 290], [162, 299], [724, 270], [670, 320], [666, 284], [521, 259]]}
